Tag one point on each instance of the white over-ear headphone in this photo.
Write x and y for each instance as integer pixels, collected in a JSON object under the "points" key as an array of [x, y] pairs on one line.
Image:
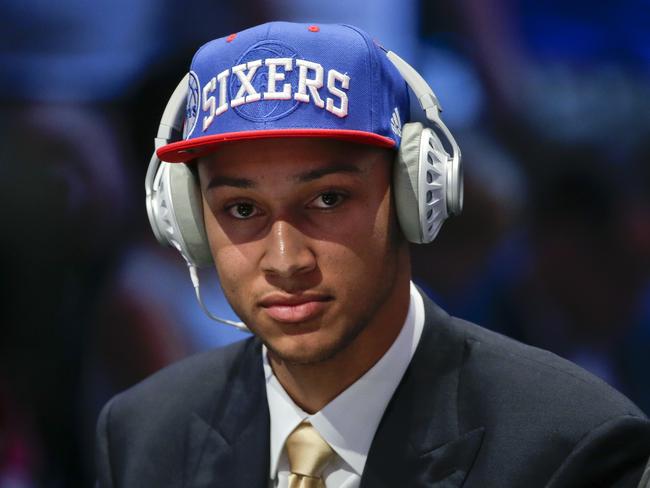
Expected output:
{"points": [[427, 180]]}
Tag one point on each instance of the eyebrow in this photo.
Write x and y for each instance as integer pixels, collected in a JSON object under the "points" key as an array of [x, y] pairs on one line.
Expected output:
{"points": [[301, 178], [320, 172], [230, 181]]}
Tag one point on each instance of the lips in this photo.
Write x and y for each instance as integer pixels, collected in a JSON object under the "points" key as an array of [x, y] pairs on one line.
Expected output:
{"points": [[294, 308]]}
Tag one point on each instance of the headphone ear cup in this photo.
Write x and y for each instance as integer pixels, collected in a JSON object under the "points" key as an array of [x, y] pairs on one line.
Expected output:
{"points": [[420, 177], [176, 214], [405, 182], [187, 205]]}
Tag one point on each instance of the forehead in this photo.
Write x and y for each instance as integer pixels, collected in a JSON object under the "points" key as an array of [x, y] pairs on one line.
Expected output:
{"points": [[274, 158]]}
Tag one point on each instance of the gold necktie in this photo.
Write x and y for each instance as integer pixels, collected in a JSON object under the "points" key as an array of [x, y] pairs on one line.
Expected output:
{"points": [[308, 455]]}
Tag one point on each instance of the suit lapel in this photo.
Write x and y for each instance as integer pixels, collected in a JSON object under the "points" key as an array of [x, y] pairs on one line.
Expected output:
{"points": [[231, 446], [419, 441]]}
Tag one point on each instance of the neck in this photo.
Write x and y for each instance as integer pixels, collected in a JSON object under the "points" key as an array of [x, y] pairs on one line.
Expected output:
{"points": [[312, 386]]}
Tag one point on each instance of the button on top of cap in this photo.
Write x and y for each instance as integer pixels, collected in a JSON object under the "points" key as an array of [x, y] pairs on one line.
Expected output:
{"points": [[231, 37], [313, 28]]}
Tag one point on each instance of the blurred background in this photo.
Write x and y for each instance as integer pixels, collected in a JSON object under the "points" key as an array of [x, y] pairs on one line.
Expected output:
{"points": [[550, 102]]}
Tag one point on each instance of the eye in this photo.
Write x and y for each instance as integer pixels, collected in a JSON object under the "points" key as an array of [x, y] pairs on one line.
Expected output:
{"points": [[242, 210], [329, 199]]}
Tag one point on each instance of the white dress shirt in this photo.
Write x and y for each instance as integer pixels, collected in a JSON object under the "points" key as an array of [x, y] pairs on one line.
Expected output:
{"points": [[348, 423]]}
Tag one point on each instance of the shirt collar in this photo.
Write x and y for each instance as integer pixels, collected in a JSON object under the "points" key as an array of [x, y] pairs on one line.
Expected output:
{"points": [[348, 423]]}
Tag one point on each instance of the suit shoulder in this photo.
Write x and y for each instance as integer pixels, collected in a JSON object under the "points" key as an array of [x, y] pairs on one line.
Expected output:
{"points": [[538, 379], [156, 418], [545, 417], [181, 386]]}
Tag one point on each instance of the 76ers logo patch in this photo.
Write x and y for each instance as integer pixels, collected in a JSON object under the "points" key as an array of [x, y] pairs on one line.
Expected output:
{"points": [[192, 106], [271, 107]]}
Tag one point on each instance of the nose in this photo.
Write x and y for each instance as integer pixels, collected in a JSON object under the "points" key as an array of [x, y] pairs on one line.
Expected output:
{"points": [[286, 251]]}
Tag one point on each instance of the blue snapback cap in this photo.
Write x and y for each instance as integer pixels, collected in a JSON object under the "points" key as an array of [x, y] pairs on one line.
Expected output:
{"points": [[284, 79]]}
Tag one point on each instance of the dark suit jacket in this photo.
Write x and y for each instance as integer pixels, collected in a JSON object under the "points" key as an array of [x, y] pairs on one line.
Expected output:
{"points": [[474, 409], [645, 479]]}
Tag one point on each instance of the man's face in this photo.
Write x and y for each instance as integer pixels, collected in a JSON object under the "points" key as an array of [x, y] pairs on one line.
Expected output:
{"points": [[305, 240]]}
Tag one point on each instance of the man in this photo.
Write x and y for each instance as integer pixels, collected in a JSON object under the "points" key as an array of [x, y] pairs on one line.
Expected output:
{"points": [[296, 150]]}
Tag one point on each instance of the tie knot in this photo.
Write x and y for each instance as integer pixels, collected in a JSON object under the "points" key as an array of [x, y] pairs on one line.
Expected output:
{"points": [[307, 451]]}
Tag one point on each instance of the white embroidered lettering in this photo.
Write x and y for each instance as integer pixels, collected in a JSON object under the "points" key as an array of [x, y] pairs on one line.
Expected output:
{"points": [[306, 89], [274, 76], [313, 84], [209, 103], [223, 101], [246, 86], [332, 77]]}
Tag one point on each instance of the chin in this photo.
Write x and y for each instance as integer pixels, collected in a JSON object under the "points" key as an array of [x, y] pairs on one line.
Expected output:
{"points": [[309, 343], [304, 352]]}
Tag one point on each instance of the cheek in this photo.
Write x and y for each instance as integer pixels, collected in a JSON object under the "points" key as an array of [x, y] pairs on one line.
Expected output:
{"points": [[381, 214], [236, 277], [232, 262], [386, 217], [366, 246], [381, 228], [235, 265]]}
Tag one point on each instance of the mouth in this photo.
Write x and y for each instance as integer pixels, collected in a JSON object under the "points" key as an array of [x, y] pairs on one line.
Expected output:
{"points": [[294, 308]]}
